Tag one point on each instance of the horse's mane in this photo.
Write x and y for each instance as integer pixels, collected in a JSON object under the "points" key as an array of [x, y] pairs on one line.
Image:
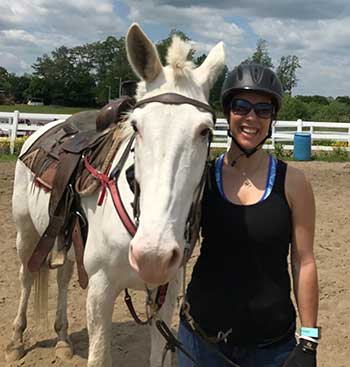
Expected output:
{"points": [[178, 68], [177, 58]]}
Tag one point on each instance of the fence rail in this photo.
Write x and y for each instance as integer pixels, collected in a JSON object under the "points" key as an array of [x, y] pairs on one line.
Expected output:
{"points": [[15, 123]]}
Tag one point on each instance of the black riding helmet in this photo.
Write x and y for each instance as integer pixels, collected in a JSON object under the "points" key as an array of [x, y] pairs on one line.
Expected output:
{"points": [[251, 77]]}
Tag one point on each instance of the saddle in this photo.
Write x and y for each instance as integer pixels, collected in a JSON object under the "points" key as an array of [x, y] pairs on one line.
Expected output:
{"points": [[57, 160]]}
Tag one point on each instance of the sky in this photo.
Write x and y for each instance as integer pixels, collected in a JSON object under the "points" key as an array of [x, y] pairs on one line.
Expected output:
{"points": [[317, 31]]}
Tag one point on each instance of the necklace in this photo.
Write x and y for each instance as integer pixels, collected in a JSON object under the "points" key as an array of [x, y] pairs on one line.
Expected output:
{"points": [[247, 181]]}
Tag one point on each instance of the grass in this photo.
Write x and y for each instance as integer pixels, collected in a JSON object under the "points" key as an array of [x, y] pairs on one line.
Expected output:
{"points": [[8, 157], [42, 109]]}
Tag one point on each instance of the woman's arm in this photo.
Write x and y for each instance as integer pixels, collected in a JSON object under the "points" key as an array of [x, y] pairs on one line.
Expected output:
{"points": [[301, 200]]}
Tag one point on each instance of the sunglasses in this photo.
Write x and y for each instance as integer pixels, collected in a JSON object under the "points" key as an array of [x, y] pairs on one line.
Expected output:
{"points": [[242, 107]]}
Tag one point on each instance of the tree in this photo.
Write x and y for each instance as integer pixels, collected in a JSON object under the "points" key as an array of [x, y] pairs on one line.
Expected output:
{"points": [[343, 99], [286, 71], [261, 55], [19, 84], [108, 64], [5, 86], [63, 78], [199, 60], [293, 109]]}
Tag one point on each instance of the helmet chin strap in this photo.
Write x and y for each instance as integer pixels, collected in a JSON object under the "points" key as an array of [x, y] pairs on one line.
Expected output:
{"points": [[248, 152]]}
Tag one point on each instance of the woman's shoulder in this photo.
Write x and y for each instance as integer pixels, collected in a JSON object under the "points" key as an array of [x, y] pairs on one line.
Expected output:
{"points": [[297, 185]]}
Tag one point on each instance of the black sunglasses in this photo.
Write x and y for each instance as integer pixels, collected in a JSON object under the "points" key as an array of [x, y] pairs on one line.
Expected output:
{"points": [[243, 107]]}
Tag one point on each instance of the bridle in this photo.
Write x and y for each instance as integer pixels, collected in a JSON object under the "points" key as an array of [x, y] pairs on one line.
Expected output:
{"points": [[192, 222]]}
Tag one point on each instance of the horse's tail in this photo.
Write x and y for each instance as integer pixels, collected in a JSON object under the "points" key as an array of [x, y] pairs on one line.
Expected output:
{"points": [[41, 286]]}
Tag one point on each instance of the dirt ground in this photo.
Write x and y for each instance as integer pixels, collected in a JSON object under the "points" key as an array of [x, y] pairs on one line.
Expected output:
{"points": [[331, 182]]}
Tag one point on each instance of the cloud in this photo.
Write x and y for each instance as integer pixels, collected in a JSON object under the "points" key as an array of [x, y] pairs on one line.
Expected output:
{"points": [[10, 61], [287, 9], [320, 35], [30, 28], [199, 21], [317, 31]]}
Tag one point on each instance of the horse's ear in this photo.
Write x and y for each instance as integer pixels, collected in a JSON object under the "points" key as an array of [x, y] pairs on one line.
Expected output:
{"points": [[207, 73], [142, 54]]}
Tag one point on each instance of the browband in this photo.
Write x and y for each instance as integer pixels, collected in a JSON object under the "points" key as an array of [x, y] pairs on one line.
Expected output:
{"points": [[174, 98]]}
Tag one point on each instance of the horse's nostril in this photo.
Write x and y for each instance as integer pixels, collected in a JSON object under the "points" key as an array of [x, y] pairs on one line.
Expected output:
{"points": [[174, 257]]}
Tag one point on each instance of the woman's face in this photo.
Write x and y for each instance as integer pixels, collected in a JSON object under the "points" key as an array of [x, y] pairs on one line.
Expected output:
{"points": [[249, 129]]}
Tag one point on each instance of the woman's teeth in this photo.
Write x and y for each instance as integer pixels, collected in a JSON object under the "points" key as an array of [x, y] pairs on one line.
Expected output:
{"points": [[249, 130]]}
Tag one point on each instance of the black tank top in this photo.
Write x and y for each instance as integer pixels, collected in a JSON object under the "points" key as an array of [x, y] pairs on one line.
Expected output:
{"points": [[241, 280]]}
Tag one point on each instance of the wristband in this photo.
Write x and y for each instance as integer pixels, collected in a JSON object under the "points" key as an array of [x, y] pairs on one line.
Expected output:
{"points": [[311, 332]]}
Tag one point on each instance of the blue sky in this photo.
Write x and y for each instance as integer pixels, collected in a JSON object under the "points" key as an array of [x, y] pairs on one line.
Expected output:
{"points": [[317, 31]]}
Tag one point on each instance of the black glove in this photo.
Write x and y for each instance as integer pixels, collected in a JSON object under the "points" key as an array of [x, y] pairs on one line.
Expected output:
{"points": [[303, 355]]}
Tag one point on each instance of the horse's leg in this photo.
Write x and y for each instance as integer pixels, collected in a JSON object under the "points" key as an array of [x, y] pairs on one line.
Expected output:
{"points": [[99, 309], [165, 313], [26, 239], [64, 349]]}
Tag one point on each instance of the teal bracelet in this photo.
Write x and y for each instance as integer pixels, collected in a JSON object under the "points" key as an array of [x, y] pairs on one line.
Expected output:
{"points": [[311, 332]]}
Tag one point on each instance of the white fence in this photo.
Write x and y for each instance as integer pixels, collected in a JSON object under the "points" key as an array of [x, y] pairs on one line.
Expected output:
{"points": [[15, 123]]}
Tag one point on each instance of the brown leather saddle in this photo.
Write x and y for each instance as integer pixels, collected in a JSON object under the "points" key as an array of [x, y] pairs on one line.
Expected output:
{"points": [[56, 160]]}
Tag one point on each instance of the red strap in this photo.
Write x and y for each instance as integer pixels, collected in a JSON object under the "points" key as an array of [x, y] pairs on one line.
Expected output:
{"points": [[101, 177], [161, 294], [118, 204], [106, 182]]}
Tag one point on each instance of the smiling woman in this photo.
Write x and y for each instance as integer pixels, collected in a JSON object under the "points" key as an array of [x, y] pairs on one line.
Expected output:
{"points": [[255, 210]]}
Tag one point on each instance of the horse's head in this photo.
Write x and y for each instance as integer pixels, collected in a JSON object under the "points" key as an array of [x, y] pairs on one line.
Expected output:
{"points": [[170, 150]]}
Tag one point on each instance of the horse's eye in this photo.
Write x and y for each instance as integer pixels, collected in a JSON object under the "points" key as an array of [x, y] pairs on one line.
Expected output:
{"points": [[205, 132], [134, 125]]}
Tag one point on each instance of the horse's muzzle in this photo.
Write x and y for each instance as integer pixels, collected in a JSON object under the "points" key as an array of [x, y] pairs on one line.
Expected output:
{"points": [[155, 264]]}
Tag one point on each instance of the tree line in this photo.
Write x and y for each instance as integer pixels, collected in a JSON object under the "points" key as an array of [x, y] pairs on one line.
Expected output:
{"points": [[91, 74]]}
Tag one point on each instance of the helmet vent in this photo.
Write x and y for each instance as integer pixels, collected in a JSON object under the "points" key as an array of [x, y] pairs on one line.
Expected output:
{"points": [[239, 73], [257, 74], [273, 80]]}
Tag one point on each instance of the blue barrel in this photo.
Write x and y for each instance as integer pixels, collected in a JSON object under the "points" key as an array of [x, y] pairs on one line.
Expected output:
{"points": [[302, 146]]}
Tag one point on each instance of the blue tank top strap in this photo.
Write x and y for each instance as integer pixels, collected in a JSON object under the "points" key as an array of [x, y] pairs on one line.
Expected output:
{"points": [[269, 182], [218, 174], [270, 177]]}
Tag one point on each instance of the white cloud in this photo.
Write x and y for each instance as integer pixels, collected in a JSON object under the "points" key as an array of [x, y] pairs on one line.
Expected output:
{"points": [[200, 20], [29, 28], [317, 31], [285, 9], [10, 61]]}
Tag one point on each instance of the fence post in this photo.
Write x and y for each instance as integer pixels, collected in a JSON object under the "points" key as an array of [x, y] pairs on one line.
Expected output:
{"points": [[14, 131], [9, 130], [300, 125]]}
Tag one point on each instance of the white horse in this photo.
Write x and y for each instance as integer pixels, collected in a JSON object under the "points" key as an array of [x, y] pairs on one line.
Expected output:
{"points": [[170, 154]]}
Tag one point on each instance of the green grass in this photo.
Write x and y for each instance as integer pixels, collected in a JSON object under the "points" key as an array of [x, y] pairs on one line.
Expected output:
{"points": [[42, 109], [8, 157]]}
